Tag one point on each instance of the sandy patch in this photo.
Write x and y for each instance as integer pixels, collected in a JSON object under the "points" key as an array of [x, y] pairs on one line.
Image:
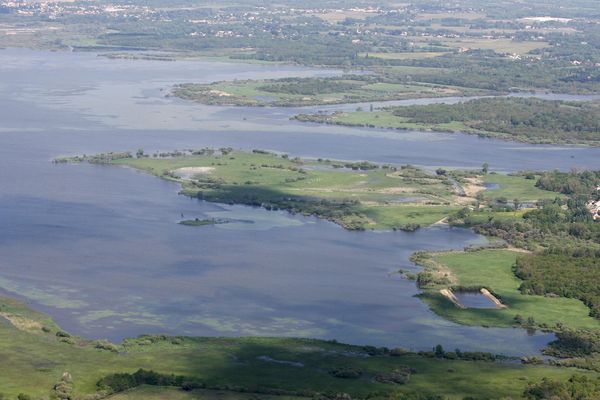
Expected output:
{"points": [[188, 173], [447, 293], [22, 323], [518, 250], [462, 200], [473, 186], [397, 190], [219, 93], [492, 298]]}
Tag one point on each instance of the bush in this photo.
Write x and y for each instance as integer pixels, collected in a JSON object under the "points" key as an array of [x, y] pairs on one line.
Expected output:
{"points": [[123, 381], [345, 372], [106, 345], [397, 376]]}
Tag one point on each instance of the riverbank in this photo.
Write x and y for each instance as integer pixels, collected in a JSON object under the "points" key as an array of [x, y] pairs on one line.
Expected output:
{"points": [[37, 360], [505, 118]]}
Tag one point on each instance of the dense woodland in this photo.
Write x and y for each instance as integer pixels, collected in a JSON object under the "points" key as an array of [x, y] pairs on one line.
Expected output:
{"points": [[559, 226], [310, 86], [531, 118], [562, 275], [576, 388]]}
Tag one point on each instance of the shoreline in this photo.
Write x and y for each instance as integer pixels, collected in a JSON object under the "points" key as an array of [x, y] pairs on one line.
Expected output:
{"points": [[482, 135]]}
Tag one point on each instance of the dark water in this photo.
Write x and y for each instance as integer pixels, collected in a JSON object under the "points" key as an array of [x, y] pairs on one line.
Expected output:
{"points": [[474, 300], [99, 249]]}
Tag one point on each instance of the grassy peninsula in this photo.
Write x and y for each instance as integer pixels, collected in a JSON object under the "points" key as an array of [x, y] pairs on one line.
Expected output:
{"points": [[526, 120], [295, 92], [355, 195], [493, 269]]}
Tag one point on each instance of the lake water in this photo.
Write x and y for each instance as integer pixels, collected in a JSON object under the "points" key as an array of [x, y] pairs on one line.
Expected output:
{"points": [[99, 249]]}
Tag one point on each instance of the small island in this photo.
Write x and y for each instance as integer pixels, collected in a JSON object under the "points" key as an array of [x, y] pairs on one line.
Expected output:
{"points": [[203, 222], [297, 92]]}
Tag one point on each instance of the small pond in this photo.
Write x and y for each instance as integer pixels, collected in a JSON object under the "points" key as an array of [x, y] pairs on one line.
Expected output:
{"points": [[474, 300], [491, 186]]}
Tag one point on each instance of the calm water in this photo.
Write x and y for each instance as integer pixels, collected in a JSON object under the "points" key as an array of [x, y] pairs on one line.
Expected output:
{"points": [[99, 249], [474, 300]]}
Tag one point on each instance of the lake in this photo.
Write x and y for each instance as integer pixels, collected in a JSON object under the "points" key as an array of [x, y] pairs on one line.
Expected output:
{"points": [[99, 248]]}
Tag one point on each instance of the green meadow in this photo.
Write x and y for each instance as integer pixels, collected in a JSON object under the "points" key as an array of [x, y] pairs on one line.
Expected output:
{"points": [[493, 270], [516, 187], [356, 195]]}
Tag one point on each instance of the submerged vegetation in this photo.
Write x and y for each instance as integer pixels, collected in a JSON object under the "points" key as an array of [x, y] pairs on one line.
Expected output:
{"points": [[38, 363], [520, 119]]}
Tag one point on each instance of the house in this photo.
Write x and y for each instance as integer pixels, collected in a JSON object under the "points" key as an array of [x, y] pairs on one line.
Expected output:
{"points": [[594, 207]]}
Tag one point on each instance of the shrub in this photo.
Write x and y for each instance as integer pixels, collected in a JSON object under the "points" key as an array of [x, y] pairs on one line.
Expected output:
{"points": [[346, 372], [397, 376], [106, 345]]}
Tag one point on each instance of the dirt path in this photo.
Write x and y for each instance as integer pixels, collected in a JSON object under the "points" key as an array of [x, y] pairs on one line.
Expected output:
{"points": [[518, 250]]}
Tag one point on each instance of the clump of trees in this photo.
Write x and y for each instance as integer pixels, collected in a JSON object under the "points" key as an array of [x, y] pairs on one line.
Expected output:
{"points": [[400, 375], [577, 387], [439, 352], [310, 86], [562, 275], [346, 372], [120, 382], [575, 182], [527, 119], [575, 343]]}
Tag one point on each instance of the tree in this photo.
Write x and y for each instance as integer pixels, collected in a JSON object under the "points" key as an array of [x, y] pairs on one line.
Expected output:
{"points": [[439, 351], [480, 198], [485, 168], [516, 203], [547, 389]]}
